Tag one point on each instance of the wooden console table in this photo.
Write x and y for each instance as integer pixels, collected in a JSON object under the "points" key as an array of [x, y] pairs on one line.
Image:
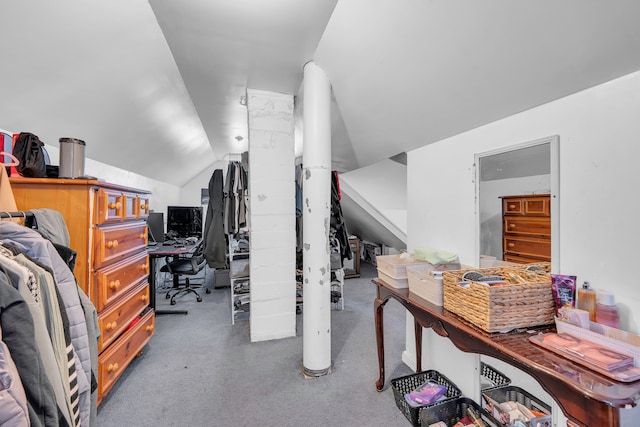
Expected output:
{"points": [[586, 397]]}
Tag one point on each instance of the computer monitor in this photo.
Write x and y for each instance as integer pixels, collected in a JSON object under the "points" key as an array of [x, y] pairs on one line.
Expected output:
{"points": [[184, 221], [155, 225]]}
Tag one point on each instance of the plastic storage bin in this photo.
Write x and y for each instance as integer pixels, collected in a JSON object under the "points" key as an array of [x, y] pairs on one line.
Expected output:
{"points": [[452, 411], [408, 383], [517, 394]]}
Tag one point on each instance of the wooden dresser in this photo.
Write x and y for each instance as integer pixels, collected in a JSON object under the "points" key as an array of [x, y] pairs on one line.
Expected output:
{"points": [[107, 227], [526, 228]]}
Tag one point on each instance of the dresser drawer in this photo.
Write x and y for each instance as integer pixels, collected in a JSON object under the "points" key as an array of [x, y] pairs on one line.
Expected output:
{"points": [[527, 226], [113, 362], [114, 320], [116, 242], [110, 206], [526, 246], [142, 207], [114, 281], [530, 206]]}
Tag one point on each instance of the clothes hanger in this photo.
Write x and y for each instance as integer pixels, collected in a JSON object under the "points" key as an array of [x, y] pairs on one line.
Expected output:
{"points": [[14, 162]]}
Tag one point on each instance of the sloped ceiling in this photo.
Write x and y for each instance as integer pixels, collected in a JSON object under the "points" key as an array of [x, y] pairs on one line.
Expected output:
{"points": [[154, 86], [409, 73]]}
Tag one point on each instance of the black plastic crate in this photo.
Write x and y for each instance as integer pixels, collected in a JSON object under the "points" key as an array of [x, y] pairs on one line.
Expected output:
{"points": [[490, 377], [517, 394], [452, 411], [408, 383]]}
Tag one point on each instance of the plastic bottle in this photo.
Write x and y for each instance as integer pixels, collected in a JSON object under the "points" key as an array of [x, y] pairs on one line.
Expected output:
{"points": [[607, 310], [587, 300]]}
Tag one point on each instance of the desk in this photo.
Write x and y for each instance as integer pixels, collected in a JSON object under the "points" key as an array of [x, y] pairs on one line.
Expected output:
{"points": [[585, 397], [161, 251]]}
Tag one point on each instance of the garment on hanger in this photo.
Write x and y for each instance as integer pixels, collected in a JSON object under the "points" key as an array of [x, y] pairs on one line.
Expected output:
{"points": [[13, 405], [337, 220], [49, 340], [42, 251], [215, 242]]}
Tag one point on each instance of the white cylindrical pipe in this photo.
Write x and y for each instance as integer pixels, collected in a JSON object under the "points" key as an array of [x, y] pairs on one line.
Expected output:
{"points": [[316, 162]]}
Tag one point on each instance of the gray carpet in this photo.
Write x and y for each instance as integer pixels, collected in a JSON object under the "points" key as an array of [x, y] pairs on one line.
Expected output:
{"points": [[199, 370]]}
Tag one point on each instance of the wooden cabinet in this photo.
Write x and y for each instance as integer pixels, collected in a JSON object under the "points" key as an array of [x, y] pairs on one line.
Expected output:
{"points": [[107, 228], [526, 228]]}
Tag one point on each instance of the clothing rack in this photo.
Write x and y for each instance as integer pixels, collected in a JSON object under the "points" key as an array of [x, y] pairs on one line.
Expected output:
{"points": [[29, 217]]}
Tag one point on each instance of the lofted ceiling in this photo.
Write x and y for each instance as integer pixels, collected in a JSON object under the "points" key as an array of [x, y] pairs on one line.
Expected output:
{"points": [[155, 86]]}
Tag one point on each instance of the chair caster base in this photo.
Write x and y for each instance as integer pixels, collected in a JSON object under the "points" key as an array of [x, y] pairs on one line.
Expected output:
{"points": [[199, 299], [208, 290], [173, 302]]}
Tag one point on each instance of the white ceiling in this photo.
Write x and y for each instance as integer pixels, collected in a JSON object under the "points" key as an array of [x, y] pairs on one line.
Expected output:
{"points": [[158, 83]]}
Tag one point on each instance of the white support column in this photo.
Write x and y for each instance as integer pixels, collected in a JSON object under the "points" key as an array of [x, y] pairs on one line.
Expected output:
{"points": [[272, 208], [316, 162]]}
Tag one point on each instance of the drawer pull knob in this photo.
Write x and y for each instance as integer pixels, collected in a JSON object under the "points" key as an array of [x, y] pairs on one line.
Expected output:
{"points": [[144, 207], [115, 284], [512, 206], [149, 328], [144, 298], [144, 267], [112, 244], [141, 236], [115, 205], [512, 245], [111, 326], [112, 367], [512, 226]]}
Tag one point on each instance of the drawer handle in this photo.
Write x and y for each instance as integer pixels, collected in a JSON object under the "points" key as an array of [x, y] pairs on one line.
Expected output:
{"points": [[512, 226], [144, 267], [112, 367], [141, 236], [512, 245], [114, 284], [112, 244], [144, 207], [149, 328], [116, 205], [144, 298], [111, 326], [512, 206]]}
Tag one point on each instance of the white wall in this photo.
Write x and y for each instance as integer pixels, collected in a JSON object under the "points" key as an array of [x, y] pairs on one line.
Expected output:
{"points": [[383, 185], [599, 229], [163, 194]]}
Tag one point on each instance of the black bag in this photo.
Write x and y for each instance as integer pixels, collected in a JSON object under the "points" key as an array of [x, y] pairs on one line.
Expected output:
{"points": [[29, 150]]}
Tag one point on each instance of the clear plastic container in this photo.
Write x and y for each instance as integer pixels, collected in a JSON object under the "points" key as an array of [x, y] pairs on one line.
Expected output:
{"points": [[607, 310]]}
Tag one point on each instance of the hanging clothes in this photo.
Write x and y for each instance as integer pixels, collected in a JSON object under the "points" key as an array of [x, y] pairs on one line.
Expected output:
{"points": [[18, 332], [215, 243], [42, 251], [13, 405], [25, 276], [235, 194], [337, 220]]}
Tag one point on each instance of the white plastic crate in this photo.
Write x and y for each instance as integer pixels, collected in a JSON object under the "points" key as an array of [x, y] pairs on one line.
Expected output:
{"points": [[423, 283], [395, 266]]}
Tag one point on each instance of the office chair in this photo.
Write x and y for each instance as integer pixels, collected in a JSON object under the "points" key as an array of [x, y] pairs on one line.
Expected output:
{"points": [[186, 267]]}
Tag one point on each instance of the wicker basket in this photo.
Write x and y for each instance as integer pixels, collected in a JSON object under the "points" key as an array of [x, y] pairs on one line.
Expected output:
{"points": [[500, 308]]}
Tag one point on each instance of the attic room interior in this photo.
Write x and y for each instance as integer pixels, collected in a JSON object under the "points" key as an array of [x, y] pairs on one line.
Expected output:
{"points": [[427, 120]]}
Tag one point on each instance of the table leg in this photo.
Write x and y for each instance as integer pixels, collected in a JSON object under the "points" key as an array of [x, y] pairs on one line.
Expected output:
{"points": [[378, 307], [418, 334]]}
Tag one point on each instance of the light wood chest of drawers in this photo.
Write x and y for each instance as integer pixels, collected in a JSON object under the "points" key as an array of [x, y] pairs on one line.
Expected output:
{"points": [[107, 227], [526, 228]]}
